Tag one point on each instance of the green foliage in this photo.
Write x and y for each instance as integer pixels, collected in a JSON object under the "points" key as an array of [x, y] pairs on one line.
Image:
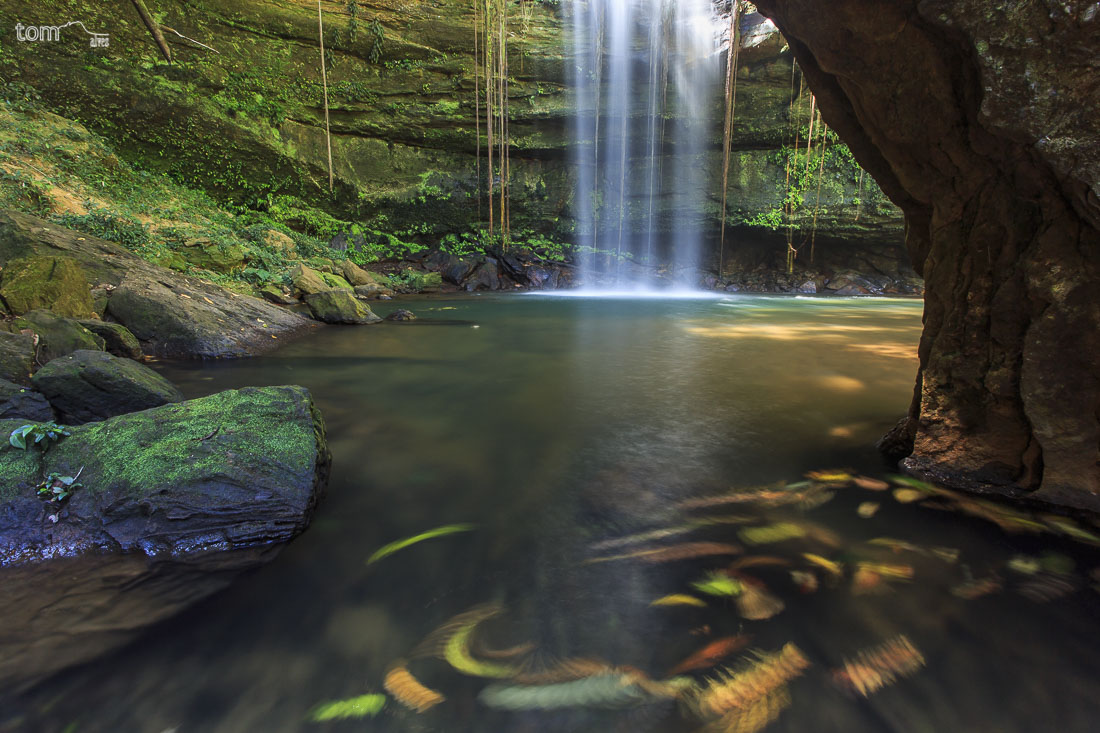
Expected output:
{"points": [[40, 434], [364, 706], [387, 550], [58, 488], [125, 230]]}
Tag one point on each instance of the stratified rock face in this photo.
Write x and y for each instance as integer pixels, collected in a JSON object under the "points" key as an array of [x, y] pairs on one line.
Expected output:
{"points": [[980, 121], [86, 386], [173, 315]]}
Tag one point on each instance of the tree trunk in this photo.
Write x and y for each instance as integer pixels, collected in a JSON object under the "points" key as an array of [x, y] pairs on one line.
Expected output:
{"points": [[985, 139]]}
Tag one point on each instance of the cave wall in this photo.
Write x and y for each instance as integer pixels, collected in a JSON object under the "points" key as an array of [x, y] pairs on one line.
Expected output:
{"points": [[980, 121], [246, 123]]}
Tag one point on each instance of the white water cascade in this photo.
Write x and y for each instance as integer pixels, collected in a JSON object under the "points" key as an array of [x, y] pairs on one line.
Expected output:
{"points": [[647, 75]]}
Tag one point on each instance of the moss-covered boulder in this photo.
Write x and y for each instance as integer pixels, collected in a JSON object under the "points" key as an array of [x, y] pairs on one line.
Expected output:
{"points": [[214, 257], [207, 487], [17, 401], [307, 280], [333, 280], [87, 386], [16, 357], [54, 283], [274, 294], [357, 276], [57, 335], [372, 290], [339, 306], [117, 339]]}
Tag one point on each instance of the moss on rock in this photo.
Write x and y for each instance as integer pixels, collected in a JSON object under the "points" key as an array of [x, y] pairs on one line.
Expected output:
{"points": [[54, 283]]}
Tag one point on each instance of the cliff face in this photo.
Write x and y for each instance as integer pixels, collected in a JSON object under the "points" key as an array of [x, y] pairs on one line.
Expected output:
{"points": [[244, 121], [979, 120]]}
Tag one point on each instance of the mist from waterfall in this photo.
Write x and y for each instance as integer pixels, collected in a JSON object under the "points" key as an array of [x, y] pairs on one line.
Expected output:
{"points": [[646, 74]]}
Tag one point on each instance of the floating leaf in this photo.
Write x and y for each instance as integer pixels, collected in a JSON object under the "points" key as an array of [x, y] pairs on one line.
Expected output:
{"points": [[387, 550], [457, 654], [674, 553], [755, 603], [1024, 564], [712, 653], [1047, 587], [832, 568], [757, 561], [679, 599], [408, 690], [718, 584], [634, 539], [565, 671], [364, 706], [1070, 529], [755, 716], [914, 483], [805, 580], [871, 484], [868, 509], [875, 668], [829, 476], [866, 581], [908, 496], [732, 691], [612, 690], [897, 572], [977, 587], [771, 533]]}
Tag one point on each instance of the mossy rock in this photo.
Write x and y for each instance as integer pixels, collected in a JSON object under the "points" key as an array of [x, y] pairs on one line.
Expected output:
{"points": [[19, 402], [274, 294], [87, 386], [357, 276], [172, 260], [57, 335], [335, 281], [214, 257], [54, 283], [339, 306], [307, 280], [16, 357], [117, 339]]}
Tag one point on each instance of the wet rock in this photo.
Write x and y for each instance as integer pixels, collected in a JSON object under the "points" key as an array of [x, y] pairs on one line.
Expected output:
{"points": [[456, 269], [339, 306], [401, 315], [206, 487], [117, 339], [16, 357], [87, 386], [52, 283], [807, 287], [25, 404], [485, 277], [172, 315], [307, 280], [57, 335], [372, 290]]}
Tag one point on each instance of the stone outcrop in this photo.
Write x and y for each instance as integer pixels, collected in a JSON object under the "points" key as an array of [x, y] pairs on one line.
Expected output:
{"points": [[173, 315], [171, 502], [979, 121], [339, 306]]}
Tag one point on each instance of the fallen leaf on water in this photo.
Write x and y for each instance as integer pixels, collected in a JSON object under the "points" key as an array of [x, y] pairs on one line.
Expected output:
{"points": [[805, 580], [871, 484], [634, 539], [829, 476], [754, 717], [908, 496], [1047, 587], [673, 553], [737, 690], [866, 581], [755, 603], [1070, 528], [759, 561], [408, 690], [825, 564], [616, 689], [875, 668], [565, 671], [977, 587], [897, 572], [1024, 564], [712, 653], [868, 509], [771, 533], [387, 550], [679, 599], [364, 706], [718, 584]]}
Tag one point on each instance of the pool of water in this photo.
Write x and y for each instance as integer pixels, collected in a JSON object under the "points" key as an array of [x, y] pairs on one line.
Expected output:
{"points": [[561, 428]]}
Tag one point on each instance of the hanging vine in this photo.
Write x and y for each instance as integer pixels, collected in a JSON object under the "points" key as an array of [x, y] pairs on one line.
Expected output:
{"points": [[731, 107], [491, 40]]}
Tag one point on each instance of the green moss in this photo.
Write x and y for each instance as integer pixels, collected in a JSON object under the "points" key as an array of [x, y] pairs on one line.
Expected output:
{"points": [[55, 283]]}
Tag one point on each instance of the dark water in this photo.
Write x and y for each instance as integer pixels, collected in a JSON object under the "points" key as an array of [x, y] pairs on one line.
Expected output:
{"points": [[554, 424]]}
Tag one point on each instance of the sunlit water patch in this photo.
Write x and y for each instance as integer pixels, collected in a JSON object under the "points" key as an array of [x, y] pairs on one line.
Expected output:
{"points": [[618, 514]]}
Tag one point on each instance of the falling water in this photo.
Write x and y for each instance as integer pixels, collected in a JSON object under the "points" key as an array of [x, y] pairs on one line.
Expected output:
{"points": [[646, 75]]}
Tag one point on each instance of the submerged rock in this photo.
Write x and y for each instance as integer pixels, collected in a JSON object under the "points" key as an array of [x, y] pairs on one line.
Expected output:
{"points": [[339, 306], [171, 502], [87, 386], [401, 315], [22, 403], [172, 315]]}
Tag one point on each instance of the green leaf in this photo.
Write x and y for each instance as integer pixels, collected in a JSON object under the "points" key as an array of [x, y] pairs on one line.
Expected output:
{"points": [[387, 550], [18, 440], [365, 706]]}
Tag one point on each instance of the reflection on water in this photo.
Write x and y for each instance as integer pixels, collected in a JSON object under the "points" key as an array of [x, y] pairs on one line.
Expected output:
{"points": [[594, 444]]}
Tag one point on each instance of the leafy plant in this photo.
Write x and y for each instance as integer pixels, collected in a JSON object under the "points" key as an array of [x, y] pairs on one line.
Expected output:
{"points": [[36, 433], [58, 488]]}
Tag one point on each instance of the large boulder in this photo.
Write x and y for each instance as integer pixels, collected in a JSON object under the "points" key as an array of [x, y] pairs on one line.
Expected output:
{"points": [[339, 306], [16, 357], [117, 339], [54, 283], [22, 403], [356, 275], [335, 281], [173, 315], [87, 386], [57, 335], [206, 487], [213, 257], [307, 280]]}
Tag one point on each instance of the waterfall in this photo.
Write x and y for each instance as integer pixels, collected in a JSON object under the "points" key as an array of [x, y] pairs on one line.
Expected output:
{"points": [[646, 75]]}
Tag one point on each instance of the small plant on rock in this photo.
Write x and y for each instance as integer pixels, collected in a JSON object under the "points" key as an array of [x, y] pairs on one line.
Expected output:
{"points": [[42, 434], [58, 488]]}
